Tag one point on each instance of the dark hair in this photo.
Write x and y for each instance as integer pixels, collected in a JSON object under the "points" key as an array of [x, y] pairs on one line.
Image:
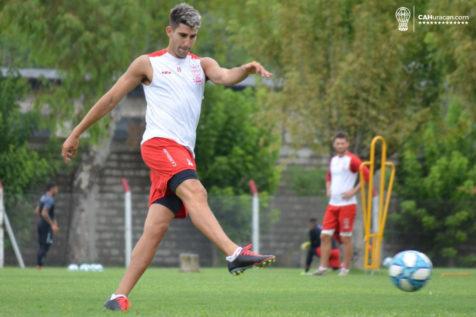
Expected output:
{"points": [[312, 220], [340, 135], [50, 185], [186, 14]]}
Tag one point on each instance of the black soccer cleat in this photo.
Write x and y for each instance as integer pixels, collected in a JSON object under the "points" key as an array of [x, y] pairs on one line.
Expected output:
{"points": [[248, 259], [120, 303]]}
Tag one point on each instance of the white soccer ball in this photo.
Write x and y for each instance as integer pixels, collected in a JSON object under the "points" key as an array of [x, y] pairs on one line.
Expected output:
{"points": [[410, 270], [73, 267], [97, 267], [387, 261], [85, 267]]}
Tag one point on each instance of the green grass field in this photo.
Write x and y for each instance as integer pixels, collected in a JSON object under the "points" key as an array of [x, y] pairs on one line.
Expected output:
{"points": [[214, 292]]}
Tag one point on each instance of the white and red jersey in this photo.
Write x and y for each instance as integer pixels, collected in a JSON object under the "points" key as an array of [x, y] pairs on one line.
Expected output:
{"points": [[342, 174], [174, 98]]}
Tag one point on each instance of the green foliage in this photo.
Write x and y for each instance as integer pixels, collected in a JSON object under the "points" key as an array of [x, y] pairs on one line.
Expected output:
{"points": [[436, 183], [232, 146], [20, 165], [234, 213], [90, 44], [344, 65], [307, 182]]}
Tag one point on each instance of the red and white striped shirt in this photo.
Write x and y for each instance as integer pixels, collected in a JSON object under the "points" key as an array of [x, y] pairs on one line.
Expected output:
{"points": [[342, 174]]}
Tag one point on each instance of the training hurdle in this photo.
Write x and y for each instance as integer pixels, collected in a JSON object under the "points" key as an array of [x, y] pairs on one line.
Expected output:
{"points": [[375, 214]]}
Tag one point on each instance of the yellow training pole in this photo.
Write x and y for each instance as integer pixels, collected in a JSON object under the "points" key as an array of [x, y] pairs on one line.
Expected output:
{"points": [[373, 236]]}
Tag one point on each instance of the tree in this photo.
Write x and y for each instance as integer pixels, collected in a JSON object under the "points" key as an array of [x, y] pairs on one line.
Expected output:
{"points": [[91, 43], [436, 185], [344, 65], [232, 148], [232, 145], [20, 165]]}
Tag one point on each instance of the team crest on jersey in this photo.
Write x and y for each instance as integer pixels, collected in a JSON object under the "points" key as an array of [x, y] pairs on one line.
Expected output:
{"points": [[197, 74]]}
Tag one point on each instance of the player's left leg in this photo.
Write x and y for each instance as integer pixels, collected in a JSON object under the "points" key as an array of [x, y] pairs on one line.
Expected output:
{"points": [[348, 249], [194, 197], [310, 255], [44, 244], [346, 223]]}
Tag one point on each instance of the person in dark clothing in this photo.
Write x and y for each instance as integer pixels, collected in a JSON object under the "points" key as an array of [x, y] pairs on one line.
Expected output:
{"points": [[314, 244], [46, 225]]}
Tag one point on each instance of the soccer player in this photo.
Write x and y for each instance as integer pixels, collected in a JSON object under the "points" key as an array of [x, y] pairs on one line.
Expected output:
{"points": [[173, 80], [340, 213], [46, 225]]}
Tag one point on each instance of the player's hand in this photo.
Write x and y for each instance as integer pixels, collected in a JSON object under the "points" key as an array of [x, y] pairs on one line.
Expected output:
{"points": [[348, 195], [305, 245], [70, 147], [328, 192], [257, 68], [54, 228]]}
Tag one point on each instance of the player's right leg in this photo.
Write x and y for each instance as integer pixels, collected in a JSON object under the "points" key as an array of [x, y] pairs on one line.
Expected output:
{"points": [[309, 256], [155, 227], [43, 245], [346, 223], [194, 197], [329, 223]]}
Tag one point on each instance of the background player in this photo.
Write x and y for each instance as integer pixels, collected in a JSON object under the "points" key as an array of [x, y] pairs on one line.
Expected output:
{"points": [[46, 224], [340, 213]]}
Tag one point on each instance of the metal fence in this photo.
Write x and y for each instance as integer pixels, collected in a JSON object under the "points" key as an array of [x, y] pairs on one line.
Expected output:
{"points": [[96, 235]]}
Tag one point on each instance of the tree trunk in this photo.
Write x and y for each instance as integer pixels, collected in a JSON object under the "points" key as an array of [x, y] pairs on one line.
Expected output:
{"points": [[86, 197]]}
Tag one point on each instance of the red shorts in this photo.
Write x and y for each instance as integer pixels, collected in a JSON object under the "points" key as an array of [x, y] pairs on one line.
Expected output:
{"points": [[170, 164], [339, 219]]}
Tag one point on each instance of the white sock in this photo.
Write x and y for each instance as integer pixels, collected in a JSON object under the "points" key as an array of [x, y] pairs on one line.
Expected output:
{"points": [[235, 254], [114, 296], [322, 268]]}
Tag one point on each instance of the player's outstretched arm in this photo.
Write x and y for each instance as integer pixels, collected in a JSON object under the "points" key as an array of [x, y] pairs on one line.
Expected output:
{"points": [[139, 71], [228, 77]]}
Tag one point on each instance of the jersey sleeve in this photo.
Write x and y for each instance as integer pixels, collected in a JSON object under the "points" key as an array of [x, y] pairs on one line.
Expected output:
{"points": [[355, 164], [47, 203]]}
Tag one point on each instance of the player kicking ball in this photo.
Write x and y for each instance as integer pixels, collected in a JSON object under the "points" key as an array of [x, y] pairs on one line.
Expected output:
{"points": [[173, 80]]}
